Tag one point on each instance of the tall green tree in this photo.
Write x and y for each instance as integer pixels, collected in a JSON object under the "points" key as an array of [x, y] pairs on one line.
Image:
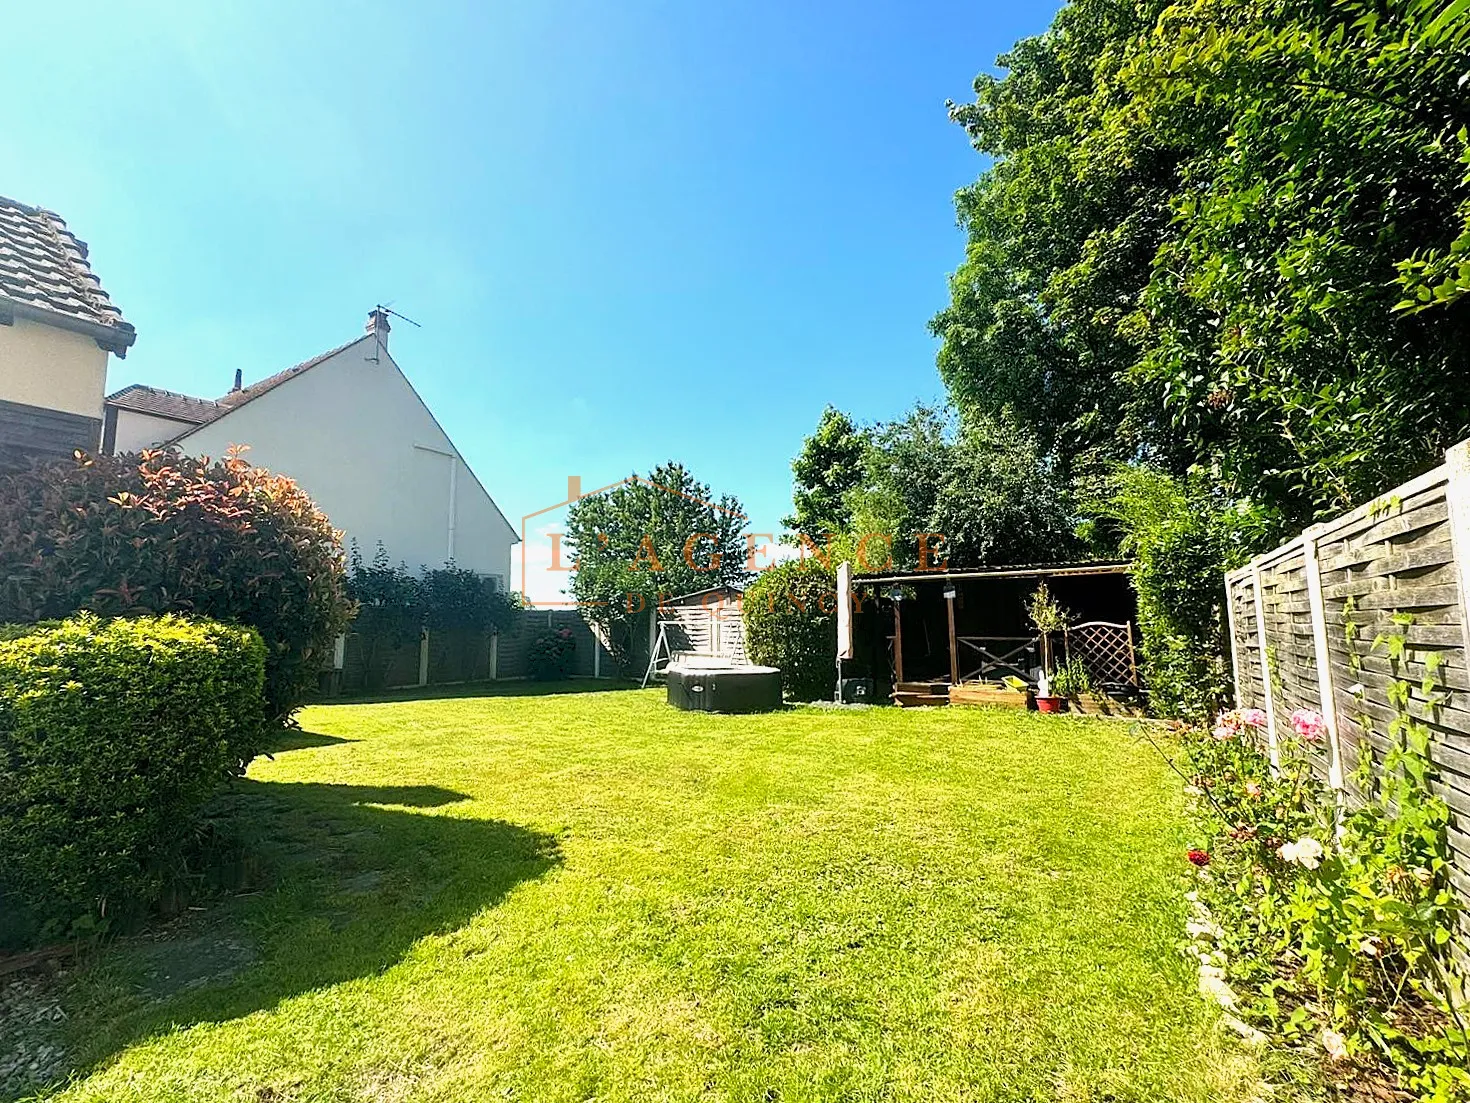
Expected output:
{"points": [[1062, 232], [828, 467], [656, 536], [1225, 234], [981, 484]]}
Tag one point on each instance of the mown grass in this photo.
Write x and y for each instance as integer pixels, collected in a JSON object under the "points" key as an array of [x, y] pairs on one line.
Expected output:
{"points": [[591, 896]]}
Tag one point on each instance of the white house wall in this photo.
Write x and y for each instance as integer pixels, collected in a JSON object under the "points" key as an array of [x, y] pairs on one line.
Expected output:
{"points": [[135, 431], [354, 434]]}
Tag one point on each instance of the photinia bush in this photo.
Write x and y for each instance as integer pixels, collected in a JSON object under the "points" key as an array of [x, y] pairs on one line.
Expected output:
{"points": [[167, 533]]}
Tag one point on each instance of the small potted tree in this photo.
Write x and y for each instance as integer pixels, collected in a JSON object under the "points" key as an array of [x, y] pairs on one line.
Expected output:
{"points": [[1072, 682], [1046, 616]]}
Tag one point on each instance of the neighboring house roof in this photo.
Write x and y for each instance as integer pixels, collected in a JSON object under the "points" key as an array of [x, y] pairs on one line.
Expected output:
{"points": [[235, 399], [198, 412], [44, 276], [166, 404]]}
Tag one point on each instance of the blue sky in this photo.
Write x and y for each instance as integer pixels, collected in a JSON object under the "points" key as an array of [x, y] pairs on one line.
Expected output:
{"points": [[632, 231]]}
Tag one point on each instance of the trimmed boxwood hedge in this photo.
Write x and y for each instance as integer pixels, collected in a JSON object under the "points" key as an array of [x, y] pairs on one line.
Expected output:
{"points": [[113, 735]]}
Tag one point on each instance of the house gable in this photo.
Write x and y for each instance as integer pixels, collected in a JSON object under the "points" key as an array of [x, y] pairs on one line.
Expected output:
{"points": [[349, 427]]}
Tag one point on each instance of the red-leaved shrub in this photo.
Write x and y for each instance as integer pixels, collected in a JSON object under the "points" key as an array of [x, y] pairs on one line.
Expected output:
{"points": [[167, 533]]}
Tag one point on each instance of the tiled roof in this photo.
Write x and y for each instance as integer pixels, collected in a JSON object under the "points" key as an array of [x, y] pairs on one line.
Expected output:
{"points": [[43, 268], [229, 401], [169, 404]]}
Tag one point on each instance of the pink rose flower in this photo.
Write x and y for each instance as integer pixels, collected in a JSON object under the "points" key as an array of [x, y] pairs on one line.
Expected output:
{"points": [[1256, 718], [1308, 724]]}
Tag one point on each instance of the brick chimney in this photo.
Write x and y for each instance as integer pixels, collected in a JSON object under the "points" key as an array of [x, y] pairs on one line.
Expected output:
{"points": [[377, 325]]}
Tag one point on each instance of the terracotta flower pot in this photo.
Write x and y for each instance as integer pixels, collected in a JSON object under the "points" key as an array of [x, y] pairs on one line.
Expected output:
{"points": [[1049, 704]]}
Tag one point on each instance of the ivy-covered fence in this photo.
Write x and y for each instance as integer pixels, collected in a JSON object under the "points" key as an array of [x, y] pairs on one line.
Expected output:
{"points": [[1363, 619]]}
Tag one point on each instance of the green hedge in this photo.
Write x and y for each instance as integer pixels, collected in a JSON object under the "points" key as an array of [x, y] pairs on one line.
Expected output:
{"points": [[790, 615], [113, 734], [1182, 540]]}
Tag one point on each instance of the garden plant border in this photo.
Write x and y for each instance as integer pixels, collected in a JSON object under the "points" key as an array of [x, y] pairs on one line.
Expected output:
{"points": [[1340, 618]]}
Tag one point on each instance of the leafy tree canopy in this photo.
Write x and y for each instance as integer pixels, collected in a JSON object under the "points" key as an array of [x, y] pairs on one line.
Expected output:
{"points": [[1228, 234], [980, 487], [828, 468], [660, 535]]}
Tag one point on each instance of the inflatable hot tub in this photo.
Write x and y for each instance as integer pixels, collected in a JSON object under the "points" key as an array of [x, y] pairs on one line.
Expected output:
{"points": [[706, 685]]}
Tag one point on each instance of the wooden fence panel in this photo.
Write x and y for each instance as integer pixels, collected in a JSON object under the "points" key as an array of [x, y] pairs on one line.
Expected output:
{"points": [[1395, 566]]}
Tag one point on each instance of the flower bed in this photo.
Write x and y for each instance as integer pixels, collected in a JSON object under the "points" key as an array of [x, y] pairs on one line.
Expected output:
{"points": [[1327, 929]]}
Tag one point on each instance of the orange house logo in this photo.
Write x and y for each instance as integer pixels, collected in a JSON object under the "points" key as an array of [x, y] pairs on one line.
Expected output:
{"points": [[874, 551], [647, 556]]}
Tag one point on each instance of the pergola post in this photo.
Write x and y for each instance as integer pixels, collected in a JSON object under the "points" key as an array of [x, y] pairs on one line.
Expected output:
{"points": [[954, 650], [897, 643]]}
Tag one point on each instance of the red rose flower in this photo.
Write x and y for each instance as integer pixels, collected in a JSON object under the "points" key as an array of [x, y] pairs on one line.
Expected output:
{"points": [[1199, 858]]}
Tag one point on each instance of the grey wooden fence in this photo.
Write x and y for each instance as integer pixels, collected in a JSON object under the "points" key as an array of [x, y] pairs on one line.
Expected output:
{"points": [[1304, 619], [445, 658]]}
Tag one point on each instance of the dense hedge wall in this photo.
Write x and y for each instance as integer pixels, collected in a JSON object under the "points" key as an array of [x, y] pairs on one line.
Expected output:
{"points": [[113, 734], [165, 533], [1182, 541], [790, 614]]}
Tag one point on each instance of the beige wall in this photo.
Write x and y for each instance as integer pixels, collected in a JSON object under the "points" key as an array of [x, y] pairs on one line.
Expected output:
{"points": [[51, 368]]}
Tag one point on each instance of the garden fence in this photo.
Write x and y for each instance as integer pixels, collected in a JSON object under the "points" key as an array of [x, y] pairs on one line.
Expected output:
{"points": [[439, 657], [1340, 618]]}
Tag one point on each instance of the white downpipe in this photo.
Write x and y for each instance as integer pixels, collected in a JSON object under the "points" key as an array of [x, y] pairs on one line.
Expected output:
{"points": [[453, 502]]}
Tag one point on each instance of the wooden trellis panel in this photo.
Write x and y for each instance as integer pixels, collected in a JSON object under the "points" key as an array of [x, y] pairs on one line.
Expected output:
{"points": [[1332, 592], [1105, 650]]}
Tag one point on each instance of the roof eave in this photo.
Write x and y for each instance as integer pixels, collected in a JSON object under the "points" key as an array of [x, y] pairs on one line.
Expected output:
{"points": [[115, 339]]}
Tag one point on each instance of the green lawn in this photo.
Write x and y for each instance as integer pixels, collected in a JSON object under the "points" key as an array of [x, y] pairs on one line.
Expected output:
{"points": [[590, 896]]}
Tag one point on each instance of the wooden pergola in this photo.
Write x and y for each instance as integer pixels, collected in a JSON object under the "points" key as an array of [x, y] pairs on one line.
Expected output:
{"points": [[988, 636]]}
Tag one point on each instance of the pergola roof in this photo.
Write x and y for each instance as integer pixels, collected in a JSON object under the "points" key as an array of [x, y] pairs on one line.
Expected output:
{"points": [[1048, 570]]}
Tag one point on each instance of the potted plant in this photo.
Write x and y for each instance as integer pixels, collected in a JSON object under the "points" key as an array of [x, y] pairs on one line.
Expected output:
{"points": [[1047, 616], [1072, 683]]}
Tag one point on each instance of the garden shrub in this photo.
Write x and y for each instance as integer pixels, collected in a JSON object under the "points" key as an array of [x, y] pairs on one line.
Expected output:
{"points": [[395, 606], [166, 533], [552, 655], [790, 614], [113, 734], [1182, 541], [1337, 924]]}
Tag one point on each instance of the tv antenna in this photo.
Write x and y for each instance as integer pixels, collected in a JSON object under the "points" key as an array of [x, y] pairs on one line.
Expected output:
{"points": [[387, 308]]}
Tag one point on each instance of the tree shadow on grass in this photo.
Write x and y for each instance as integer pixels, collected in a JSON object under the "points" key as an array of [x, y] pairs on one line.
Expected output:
{"points": [[296, 739], [355, 876]]}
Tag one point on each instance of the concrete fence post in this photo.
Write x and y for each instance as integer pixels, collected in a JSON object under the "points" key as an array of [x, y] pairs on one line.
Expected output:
{"points": [[494, 656], [1235, 678], [1457, 497], [1325, 690], [424, 657], [1265, 659]]}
